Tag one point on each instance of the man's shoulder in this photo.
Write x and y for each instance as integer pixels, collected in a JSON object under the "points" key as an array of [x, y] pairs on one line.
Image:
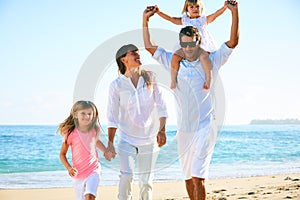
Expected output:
{"points": [[223, 49], [161, 51]]}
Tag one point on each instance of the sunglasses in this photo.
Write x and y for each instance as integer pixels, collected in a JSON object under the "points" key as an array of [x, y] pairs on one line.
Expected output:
{"points": [[190, 44]]}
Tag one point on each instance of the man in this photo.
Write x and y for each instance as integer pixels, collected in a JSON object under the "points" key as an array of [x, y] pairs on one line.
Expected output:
{"points": [[196, 135]]}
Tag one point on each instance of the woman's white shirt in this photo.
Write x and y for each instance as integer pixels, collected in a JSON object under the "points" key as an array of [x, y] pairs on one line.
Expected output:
{"points": [[135, 111]]}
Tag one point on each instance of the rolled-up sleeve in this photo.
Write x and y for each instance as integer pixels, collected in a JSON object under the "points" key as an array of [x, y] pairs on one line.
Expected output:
{"points": [[220, 56], [113, 106], [163, 57]]}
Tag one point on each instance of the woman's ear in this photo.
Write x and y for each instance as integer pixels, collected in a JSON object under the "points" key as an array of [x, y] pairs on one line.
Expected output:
{"points": [[123, 60]]}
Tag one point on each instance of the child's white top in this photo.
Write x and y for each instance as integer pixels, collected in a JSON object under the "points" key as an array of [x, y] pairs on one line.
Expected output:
{"points": [[207, 42]]}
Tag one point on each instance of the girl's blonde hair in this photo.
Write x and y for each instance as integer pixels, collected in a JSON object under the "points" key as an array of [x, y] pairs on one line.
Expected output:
{"points": [[121, 53], [187, 3], [71, 122]]}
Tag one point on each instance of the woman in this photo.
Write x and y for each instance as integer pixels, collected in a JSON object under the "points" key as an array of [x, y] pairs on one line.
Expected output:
{"points": [[137, 110]]}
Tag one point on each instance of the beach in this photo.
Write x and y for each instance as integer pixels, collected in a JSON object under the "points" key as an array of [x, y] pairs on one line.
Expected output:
{"points": [[245, 165], [275, 187]]}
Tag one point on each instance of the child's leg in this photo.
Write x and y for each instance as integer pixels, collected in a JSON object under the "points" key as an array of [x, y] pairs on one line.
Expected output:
{"points": [[207, 66], [79, 188], [176, 58], [91, 186]]}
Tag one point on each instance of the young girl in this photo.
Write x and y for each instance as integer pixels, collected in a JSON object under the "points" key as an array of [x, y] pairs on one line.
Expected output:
{"points": [[80, 131], [193, 16]]}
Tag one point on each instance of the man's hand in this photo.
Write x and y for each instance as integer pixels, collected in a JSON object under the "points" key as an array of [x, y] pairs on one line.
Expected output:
{"points": [[231, 4], [149, 12], [161, 138]]}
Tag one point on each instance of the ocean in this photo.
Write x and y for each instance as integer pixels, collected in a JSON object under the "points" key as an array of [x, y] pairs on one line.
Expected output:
{"points": [[29, 155]]}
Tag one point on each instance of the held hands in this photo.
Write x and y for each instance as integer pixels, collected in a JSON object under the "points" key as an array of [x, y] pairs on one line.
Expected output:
{"points": [[110, 151], [231, 4], [149, 12]]}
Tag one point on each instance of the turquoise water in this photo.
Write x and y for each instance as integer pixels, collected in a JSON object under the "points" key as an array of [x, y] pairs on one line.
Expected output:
{"points": [[29, 155]]}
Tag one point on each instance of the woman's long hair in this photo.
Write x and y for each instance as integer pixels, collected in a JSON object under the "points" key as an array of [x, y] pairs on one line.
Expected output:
{"points": [[121, 53]]}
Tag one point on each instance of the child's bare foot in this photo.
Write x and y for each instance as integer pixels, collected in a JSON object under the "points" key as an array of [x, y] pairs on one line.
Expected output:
{"points": [[173, 85]]}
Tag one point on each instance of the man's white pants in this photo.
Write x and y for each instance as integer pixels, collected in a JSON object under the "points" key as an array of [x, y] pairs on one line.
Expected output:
{"points": [[145, 156]]}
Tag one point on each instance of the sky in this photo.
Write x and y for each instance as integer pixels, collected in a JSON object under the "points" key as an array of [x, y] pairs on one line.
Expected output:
{"points": [[45, 44]]}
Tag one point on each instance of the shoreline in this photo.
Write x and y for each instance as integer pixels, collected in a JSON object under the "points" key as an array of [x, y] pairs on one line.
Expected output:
{"points": [[284, 186]]}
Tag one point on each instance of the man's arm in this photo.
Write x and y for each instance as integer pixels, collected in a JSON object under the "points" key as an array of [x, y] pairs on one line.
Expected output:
{"points": [[235, 32], [148, 12]]}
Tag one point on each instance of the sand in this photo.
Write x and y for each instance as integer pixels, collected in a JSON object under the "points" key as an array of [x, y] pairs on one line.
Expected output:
{"points": [[275, 187]]}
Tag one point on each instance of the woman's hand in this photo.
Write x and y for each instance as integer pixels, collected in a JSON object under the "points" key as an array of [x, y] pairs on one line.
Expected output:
{"points": [[110, 151]]}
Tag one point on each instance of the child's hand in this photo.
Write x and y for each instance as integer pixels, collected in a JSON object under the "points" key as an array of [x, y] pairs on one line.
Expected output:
{"points": [[110, 151], [109, 155], [231, 4], [156, 8], [149, 11], [72, 172]]}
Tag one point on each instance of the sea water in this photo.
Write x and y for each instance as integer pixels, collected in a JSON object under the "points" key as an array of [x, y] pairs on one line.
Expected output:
{"points": [[29, 155]]}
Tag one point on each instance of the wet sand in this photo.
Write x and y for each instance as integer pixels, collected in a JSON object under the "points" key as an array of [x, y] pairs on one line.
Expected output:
{"points": [[275, 187]]}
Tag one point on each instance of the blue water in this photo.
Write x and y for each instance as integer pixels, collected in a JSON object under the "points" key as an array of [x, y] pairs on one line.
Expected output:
{"points": [[29, 155]]}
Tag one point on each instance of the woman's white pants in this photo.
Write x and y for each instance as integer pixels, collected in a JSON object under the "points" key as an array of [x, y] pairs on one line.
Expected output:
{"points": [[145, 157]]}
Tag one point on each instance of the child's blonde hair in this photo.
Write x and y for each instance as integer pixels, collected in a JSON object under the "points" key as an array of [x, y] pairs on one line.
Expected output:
{"points": [[192, 2], [71, 122]]}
